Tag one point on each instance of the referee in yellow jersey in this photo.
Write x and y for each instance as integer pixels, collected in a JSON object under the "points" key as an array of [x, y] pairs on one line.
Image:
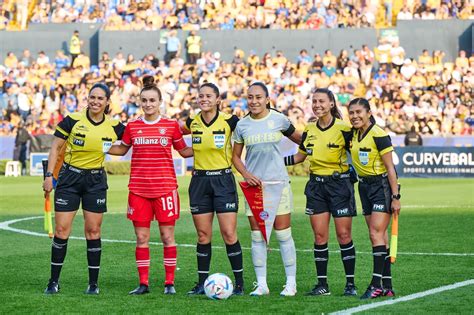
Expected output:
{"points": [[88, 136], [329, 190], [212, 188], [371, 152]]}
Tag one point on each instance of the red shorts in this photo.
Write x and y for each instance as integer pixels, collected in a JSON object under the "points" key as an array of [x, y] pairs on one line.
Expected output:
{"points": [[165, 209]]}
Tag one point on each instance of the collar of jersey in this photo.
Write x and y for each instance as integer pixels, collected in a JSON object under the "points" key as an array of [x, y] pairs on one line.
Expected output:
{"points": [[93, 122], [359, 137], [151, 122], [328, 127], [212, 120], [261, 119]]}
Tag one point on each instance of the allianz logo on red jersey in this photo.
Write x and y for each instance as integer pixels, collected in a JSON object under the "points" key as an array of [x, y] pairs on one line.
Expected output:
{"points": [[150, 141]]}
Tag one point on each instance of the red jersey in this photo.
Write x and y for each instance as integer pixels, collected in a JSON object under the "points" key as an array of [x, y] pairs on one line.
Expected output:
{"points": [[152, 170]]}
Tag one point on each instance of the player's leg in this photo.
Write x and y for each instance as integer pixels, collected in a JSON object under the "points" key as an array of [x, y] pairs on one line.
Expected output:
{"points": [[320, 226], [67, 199], [377, 226], [387, 268], [228, 228], [92, 225], [63, 225], [342, 204], [140, 212], [169, 254], [201, 205], [259, 257], [226, 204], [282, 227], [203, 225]]}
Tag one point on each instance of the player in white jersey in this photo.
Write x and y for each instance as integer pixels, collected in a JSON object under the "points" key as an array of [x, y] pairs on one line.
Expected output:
{"points": [[261, 132]]}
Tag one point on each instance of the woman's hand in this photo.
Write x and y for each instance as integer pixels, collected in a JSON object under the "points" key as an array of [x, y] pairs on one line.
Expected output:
{"points": [[48, 185], [252, 180], [396, 206]]}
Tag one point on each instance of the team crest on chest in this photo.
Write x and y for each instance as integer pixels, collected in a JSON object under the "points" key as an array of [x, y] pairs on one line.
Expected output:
{"points": [[162, 131], [364, 158], [164, 141], [219, 141]]}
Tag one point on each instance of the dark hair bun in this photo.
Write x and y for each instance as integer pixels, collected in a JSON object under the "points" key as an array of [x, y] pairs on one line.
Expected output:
{"points": [[148, 81]]}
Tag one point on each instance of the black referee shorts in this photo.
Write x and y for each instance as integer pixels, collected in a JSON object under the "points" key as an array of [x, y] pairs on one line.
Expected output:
{"points": [[375, 194], [76, 185], [211, 191], [330, 194]]}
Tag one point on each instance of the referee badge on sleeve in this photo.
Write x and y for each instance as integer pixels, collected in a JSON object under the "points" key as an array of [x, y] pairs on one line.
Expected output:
{"points": [[364, 157]]}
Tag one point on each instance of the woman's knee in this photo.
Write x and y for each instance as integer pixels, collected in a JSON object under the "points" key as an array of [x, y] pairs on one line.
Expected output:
{"points": [[204, 237]]}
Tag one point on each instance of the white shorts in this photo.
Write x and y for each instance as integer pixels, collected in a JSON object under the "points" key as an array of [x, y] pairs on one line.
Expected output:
{"points": [[286, 203]]}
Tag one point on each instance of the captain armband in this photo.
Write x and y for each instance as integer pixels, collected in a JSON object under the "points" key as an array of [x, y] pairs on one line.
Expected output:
{"points": [[289, 160]]}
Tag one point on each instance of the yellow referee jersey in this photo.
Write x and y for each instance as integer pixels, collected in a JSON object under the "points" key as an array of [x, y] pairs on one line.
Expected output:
{"points": [[367, 150], [211, 142], [87, 141], [326, 148]]}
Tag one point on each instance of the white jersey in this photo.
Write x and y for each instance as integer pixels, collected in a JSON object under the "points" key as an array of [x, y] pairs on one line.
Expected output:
{"points": [[261, 138]]}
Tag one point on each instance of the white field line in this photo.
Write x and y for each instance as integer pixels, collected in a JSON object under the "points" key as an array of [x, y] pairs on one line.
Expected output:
{"points": [[410, 297], [6, 227]]}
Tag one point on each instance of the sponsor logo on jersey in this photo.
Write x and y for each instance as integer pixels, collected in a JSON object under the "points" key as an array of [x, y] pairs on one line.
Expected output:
{"points": [[143, 140], [164, 141], [219, 141], [214, 173], [264, 215], [162, 131], [82, 127], [309, 151], [197, 140], [78, 142], [139, 131], [364, 158], [106, 145]]}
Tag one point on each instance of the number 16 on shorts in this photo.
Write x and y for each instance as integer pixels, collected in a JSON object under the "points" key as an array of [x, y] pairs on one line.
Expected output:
{"points": [[164, 208]]}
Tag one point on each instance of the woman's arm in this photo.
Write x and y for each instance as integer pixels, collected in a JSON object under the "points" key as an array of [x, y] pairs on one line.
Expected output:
{"points": [[296, 137], [294, 159], [392, 179], [239, 165], [52, 158], [119, 149], [186, 152]]}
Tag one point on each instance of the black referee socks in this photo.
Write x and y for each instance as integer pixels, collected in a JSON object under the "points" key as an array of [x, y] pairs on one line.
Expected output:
{"points": [[348, 256], [387, 272], [234, 252], [58, 253], [379, 252], [203, 254], [321, 256], [94, 251]]}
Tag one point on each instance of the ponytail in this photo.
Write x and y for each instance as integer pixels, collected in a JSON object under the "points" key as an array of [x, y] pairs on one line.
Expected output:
{"points": [[334, 110], [364, 103]]}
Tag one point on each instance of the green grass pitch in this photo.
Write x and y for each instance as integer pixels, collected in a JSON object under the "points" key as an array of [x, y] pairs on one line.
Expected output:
{"points": [[437, 217]]}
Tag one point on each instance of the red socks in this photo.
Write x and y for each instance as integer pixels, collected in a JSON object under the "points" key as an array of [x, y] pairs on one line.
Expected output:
{"points": [[169, 260], [142, 255]]}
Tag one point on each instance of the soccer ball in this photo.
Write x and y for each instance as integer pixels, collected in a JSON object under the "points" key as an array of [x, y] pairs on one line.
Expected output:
{"points": [[218, 286]]}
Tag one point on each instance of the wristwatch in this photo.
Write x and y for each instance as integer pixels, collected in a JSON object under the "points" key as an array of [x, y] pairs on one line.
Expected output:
{"points": [[396, 197], [48, 174]]}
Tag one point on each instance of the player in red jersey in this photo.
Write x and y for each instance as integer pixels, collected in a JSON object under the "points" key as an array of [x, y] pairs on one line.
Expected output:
{"points": [[153, 186]]}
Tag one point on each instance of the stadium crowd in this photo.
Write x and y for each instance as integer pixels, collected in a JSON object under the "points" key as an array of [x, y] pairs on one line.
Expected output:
{"points": [[225, 15], [433, 95]]}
